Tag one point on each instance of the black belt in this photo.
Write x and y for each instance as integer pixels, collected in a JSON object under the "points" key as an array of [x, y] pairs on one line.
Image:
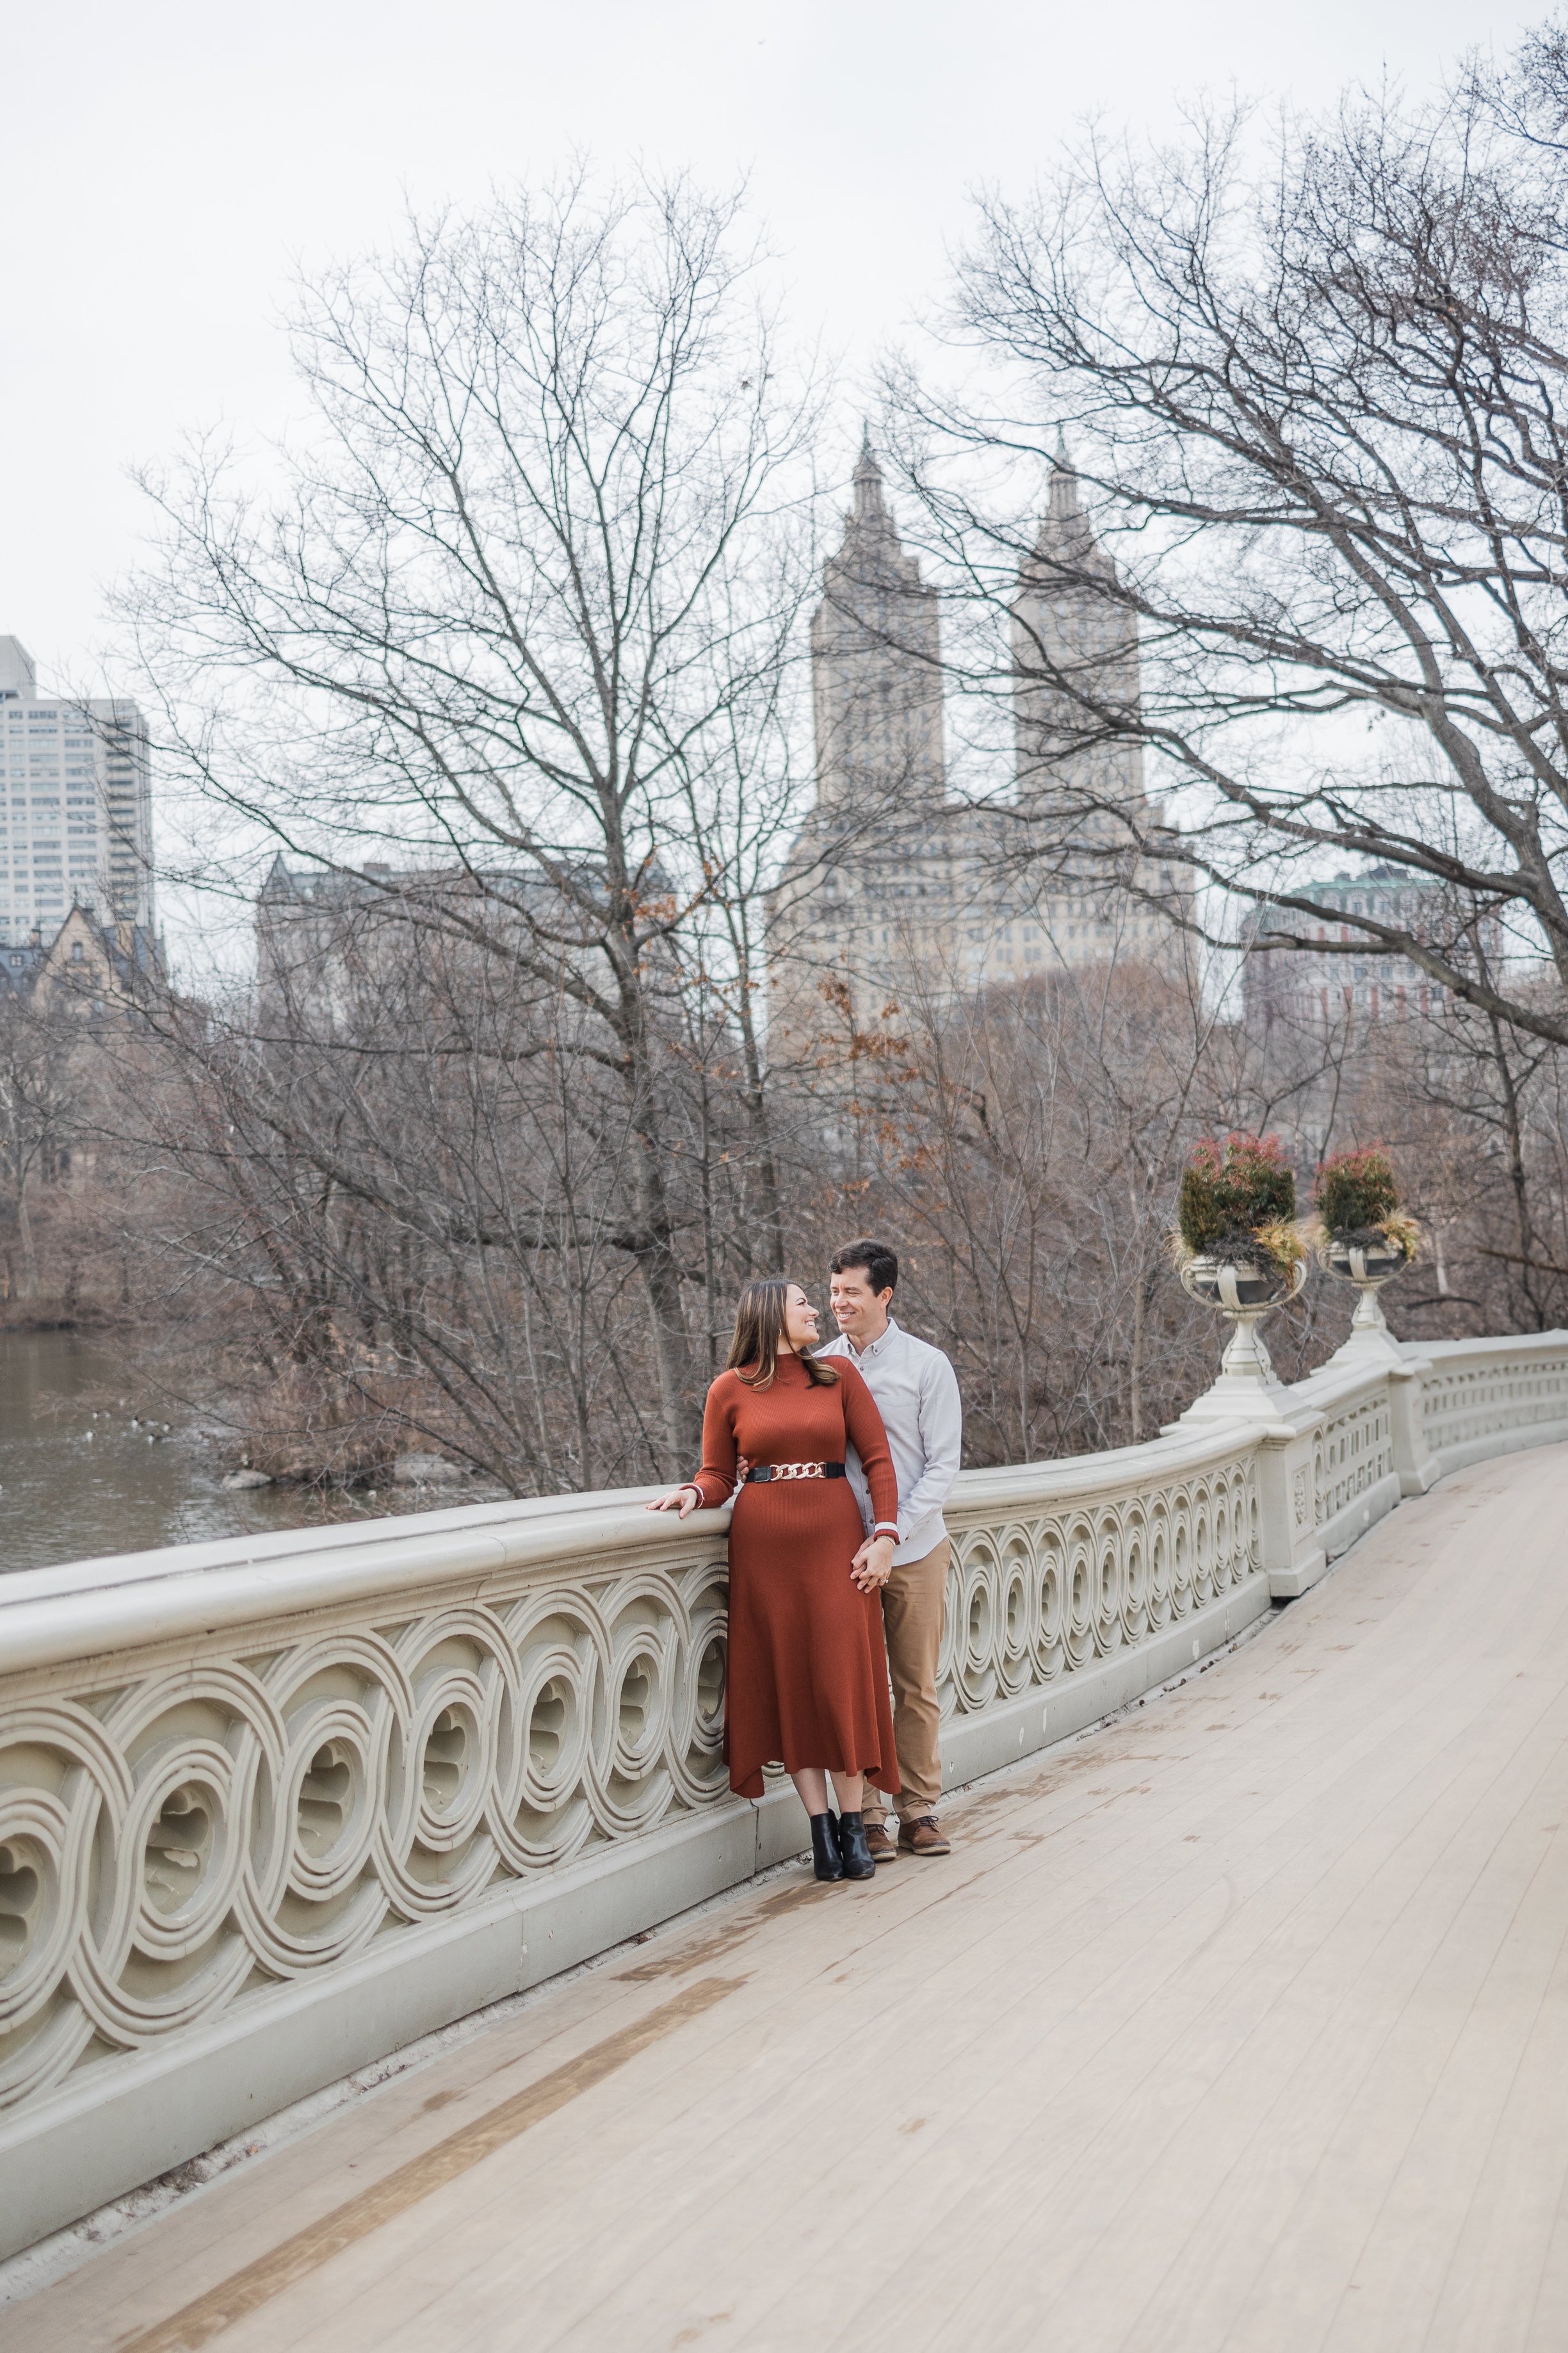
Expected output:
{"points": [[786, 1471]]}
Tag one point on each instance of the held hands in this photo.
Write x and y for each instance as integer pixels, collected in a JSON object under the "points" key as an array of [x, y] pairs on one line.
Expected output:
{"points": [[873, 1563]]}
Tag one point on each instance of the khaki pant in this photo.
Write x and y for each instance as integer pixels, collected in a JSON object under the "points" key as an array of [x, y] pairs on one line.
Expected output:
{"points": [[913, 1601]]}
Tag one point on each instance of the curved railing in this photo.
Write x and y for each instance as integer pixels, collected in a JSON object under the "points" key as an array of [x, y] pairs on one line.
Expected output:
{"points": [[270, 1808]]}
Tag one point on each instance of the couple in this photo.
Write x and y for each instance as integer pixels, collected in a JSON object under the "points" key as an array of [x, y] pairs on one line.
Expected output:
{"points": [[819, 1570]]}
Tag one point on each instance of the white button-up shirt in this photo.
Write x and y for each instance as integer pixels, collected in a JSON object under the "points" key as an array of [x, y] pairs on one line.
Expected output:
{"points": [[916, 1393]]}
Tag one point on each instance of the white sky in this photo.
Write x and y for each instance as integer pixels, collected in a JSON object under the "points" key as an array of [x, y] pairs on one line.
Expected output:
{"points": [[165, 166]]}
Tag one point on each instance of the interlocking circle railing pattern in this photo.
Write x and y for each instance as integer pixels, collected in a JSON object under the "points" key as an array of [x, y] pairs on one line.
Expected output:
{"points": [[262, 1812], [265, 1812], [1035, 1597]]}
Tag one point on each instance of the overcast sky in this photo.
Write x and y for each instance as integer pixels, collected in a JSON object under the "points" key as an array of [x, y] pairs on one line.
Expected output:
{"points": [[164, 169]]}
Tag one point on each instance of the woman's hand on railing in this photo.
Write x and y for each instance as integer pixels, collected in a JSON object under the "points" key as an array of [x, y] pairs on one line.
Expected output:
{"points": [[679, 1499]]}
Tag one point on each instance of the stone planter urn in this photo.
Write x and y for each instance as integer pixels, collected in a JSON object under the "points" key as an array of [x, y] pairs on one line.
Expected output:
{"points": [[1244, 1290], [1368, 1258]]}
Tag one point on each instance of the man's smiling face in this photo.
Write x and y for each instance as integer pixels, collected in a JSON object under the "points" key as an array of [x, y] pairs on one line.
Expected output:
{"points": [[861, 1312]]}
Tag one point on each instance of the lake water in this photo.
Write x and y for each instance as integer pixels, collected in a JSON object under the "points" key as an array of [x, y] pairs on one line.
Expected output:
{"points": [[73, 1486]]}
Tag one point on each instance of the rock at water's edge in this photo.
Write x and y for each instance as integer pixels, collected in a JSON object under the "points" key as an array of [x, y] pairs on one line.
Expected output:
{"points": [[426, 1470]]}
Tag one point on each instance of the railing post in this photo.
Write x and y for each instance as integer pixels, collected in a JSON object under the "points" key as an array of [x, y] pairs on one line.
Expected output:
{"points": [[1324, 1472], [1286, 1428], [1288, 1487], [1413, 1457]]}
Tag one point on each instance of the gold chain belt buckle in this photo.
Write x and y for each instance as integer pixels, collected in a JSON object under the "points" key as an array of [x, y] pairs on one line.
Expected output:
{"points": [[798, 1471]]}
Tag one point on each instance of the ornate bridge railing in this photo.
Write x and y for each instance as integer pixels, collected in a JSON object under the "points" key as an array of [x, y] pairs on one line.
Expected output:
{"points": [[270, 1809]]}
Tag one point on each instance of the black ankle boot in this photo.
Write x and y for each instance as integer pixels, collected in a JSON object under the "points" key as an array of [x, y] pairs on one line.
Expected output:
{"points": [[825, 1859], [859, 1863]]}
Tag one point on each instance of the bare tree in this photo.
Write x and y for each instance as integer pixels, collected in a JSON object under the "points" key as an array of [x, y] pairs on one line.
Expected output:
{"points": [[1314, 396], [1024, 1143], [37, 1092], [1473, 1111], [389, 1207], [507, 644]]}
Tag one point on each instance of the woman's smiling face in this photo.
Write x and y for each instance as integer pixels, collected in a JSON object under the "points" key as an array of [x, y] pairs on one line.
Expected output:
{"points": [[800, 1319]]}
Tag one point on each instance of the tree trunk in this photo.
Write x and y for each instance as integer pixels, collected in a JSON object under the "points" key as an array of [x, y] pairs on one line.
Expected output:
{"points": [[1514, 1138], [30, 1286]]}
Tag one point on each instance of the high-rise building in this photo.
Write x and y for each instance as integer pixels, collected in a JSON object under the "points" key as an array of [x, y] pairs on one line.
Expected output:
{"points": [[75, 795], [876, 668], [1075, 764], [890, 877]]}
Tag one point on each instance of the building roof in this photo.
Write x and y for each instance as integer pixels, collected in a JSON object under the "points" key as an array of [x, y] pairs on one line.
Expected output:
{"points": [[1334, 887]]}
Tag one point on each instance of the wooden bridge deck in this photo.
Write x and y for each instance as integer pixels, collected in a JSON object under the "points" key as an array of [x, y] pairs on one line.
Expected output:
{"points": [[1242, 2023]]}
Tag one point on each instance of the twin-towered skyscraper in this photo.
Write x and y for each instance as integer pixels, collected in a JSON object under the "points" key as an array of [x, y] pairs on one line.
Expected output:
{"points": [[892, 878]]}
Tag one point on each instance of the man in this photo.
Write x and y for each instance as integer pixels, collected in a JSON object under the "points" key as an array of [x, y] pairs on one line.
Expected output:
{"points": [[916, 1391]]}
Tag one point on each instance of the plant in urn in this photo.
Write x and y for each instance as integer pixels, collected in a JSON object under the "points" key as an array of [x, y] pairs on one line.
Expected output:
{"points": [[1364, 1235], [1236, 1247]]}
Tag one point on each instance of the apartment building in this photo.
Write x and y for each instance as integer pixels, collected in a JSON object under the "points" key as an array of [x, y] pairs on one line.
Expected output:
{"points": [[1340, 979], [76, 806]]}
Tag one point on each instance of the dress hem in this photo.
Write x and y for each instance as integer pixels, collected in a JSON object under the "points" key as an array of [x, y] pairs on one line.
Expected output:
{"points": [[753, 1786]]}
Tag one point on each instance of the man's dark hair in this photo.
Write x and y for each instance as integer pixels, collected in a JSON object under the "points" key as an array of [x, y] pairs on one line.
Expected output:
{"points": [[881, 1263]]}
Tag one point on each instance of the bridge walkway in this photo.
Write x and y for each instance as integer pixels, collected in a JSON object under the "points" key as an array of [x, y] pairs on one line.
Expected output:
{"points": [[1241, 2023]]}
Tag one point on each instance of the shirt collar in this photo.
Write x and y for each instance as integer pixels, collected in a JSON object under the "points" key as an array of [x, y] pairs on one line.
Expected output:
{"points": [[874, 1348]]}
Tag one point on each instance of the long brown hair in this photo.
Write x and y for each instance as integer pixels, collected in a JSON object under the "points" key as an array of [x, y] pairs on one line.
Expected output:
{"points": [[759, 1331]]}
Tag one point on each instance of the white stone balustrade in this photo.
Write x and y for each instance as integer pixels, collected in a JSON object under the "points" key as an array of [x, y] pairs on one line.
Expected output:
{"points": [[270, 1810]]}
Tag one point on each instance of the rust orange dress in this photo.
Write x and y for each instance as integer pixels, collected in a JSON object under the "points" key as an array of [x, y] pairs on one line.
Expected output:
{"points": [[807, 1678]]}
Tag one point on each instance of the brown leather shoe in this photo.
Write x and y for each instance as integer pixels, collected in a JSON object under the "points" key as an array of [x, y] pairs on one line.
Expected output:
{"points": [[881, 1845], [923, 1836]]}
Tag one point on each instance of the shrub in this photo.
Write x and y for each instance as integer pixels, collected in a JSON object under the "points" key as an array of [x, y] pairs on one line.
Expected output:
{"points": [[1228, 1197], [1356, 1191]]}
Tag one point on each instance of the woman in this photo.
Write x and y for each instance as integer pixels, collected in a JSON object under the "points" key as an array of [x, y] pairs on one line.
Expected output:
{"points": [[807, 1676]]}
